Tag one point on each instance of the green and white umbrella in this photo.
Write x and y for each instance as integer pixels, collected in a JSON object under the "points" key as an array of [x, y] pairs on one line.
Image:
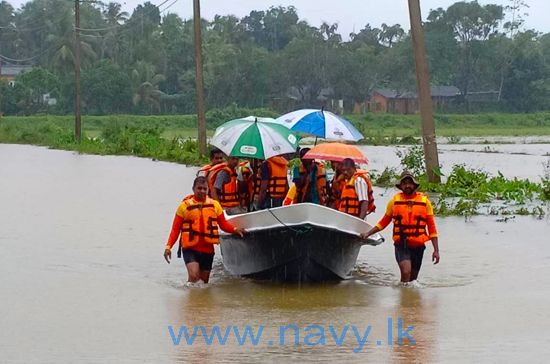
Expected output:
{"points": [[253, 137]]}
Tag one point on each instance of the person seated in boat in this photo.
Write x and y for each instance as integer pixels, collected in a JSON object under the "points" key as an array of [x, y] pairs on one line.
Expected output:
{"points": [[216, 157], [356, 196], [336, 185], [224, 186], [248, 177], [413, 225], [310, 180], [273, 182], [196, 224]]}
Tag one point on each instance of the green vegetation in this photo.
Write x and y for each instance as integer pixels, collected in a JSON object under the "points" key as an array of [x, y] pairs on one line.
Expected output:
{"points": [[161, 137], [379, 129], [467, 192], [118, 138]]}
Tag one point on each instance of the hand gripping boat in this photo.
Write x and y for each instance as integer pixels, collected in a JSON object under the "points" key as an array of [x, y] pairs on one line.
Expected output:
{"points": [[301, 242]]}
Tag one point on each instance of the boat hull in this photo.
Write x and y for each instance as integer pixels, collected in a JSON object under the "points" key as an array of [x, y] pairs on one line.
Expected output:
{"points": [[303, 253], [309, 243]]}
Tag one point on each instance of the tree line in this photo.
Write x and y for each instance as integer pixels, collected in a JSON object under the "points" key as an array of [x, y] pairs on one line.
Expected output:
{"points": [[143, 62]]}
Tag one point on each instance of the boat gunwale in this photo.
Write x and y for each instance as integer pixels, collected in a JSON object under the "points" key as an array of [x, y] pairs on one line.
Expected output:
{"points": [[375, 239]]}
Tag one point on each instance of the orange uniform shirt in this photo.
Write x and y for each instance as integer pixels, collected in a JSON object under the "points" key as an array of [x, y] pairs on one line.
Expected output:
{"points": [[430, 220], [201, 246]]}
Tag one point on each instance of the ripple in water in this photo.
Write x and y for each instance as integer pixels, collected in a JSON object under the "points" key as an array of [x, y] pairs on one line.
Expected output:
{"points": [[377, 276]]}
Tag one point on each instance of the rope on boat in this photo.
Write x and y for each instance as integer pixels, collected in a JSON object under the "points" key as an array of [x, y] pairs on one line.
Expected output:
{"points": [[304, 230]]}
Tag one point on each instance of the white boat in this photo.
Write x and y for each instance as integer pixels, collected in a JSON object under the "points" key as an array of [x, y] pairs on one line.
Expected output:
{"points": [[301, 242]]}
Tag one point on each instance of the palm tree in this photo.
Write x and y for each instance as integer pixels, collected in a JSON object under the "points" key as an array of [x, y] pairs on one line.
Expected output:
{"points": [[145, 83], [114, 18], [62, 41]]}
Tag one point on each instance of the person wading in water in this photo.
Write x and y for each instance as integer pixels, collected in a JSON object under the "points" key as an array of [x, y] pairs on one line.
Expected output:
{"points": [[196, 224], [413, 225]]}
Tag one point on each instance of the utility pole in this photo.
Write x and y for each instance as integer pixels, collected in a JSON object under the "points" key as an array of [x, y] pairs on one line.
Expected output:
{"points": [[77, 121], [199, 81], [424, 93]]}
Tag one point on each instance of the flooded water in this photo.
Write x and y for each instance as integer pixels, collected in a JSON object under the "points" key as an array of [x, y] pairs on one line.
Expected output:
{"points": [[512, 160], [83, 278]]}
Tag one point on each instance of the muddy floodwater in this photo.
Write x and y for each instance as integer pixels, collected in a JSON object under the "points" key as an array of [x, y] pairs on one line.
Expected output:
{"points": [[83, 278]]}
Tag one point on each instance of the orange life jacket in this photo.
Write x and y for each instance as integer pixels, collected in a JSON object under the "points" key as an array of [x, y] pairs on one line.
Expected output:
{"points": [[229, 196], [256, 183], [204, 170], [211, 178], [199, 220], [349, 201], [277, 185], [250, 185], [336, 186], [409, 219], [321, 184]]}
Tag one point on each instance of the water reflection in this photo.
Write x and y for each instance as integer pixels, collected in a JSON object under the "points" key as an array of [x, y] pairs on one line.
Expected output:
{"points": [[413, 309], [196, 308]]}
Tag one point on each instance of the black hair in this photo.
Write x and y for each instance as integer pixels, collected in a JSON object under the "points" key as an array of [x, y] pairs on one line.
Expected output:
{"points": [[200, 180], [348, 162], [215, 151], [303, 151]]}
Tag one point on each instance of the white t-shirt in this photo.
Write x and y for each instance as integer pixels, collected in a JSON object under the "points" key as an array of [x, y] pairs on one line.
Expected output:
{"points": [[361, 189]]}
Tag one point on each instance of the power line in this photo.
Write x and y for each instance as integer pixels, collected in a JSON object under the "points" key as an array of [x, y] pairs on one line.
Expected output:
{"points": [[27, 59], [25, 22], [118, 26], [88, 35], [129, 28], [17, 30]]}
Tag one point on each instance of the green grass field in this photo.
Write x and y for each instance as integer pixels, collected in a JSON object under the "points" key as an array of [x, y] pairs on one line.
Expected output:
{"points": [[377, 128], [455, 125]]}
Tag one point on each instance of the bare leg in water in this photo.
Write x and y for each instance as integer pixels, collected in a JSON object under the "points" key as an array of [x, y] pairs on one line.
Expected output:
{"points": [[405, 268], [414, 274], [193, 272], [205, 275]]}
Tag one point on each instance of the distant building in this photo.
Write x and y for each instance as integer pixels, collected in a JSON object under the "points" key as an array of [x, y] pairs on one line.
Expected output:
{"points": [[394, 101], [9, 72], [406, 102]]}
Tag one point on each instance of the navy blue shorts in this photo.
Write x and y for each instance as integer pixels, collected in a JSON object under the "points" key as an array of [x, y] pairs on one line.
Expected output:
{"points": [[414, 254], [204, 259]]}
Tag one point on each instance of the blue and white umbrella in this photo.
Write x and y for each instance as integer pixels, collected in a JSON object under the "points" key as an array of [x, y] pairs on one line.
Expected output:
{"points": [[320, 123]]}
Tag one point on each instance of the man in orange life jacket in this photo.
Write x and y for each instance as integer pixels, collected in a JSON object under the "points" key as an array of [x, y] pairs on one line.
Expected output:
{"points": [[196, 224], [336, 185], [356, 196], [310, 180], [249, 183], [413, 225], [224, 186], [216, 157], [274, 182]]}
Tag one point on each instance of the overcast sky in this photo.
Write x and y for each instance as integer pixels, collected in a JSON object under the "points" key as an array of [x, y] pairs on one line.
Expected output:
{"points": [[351, 15]]}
